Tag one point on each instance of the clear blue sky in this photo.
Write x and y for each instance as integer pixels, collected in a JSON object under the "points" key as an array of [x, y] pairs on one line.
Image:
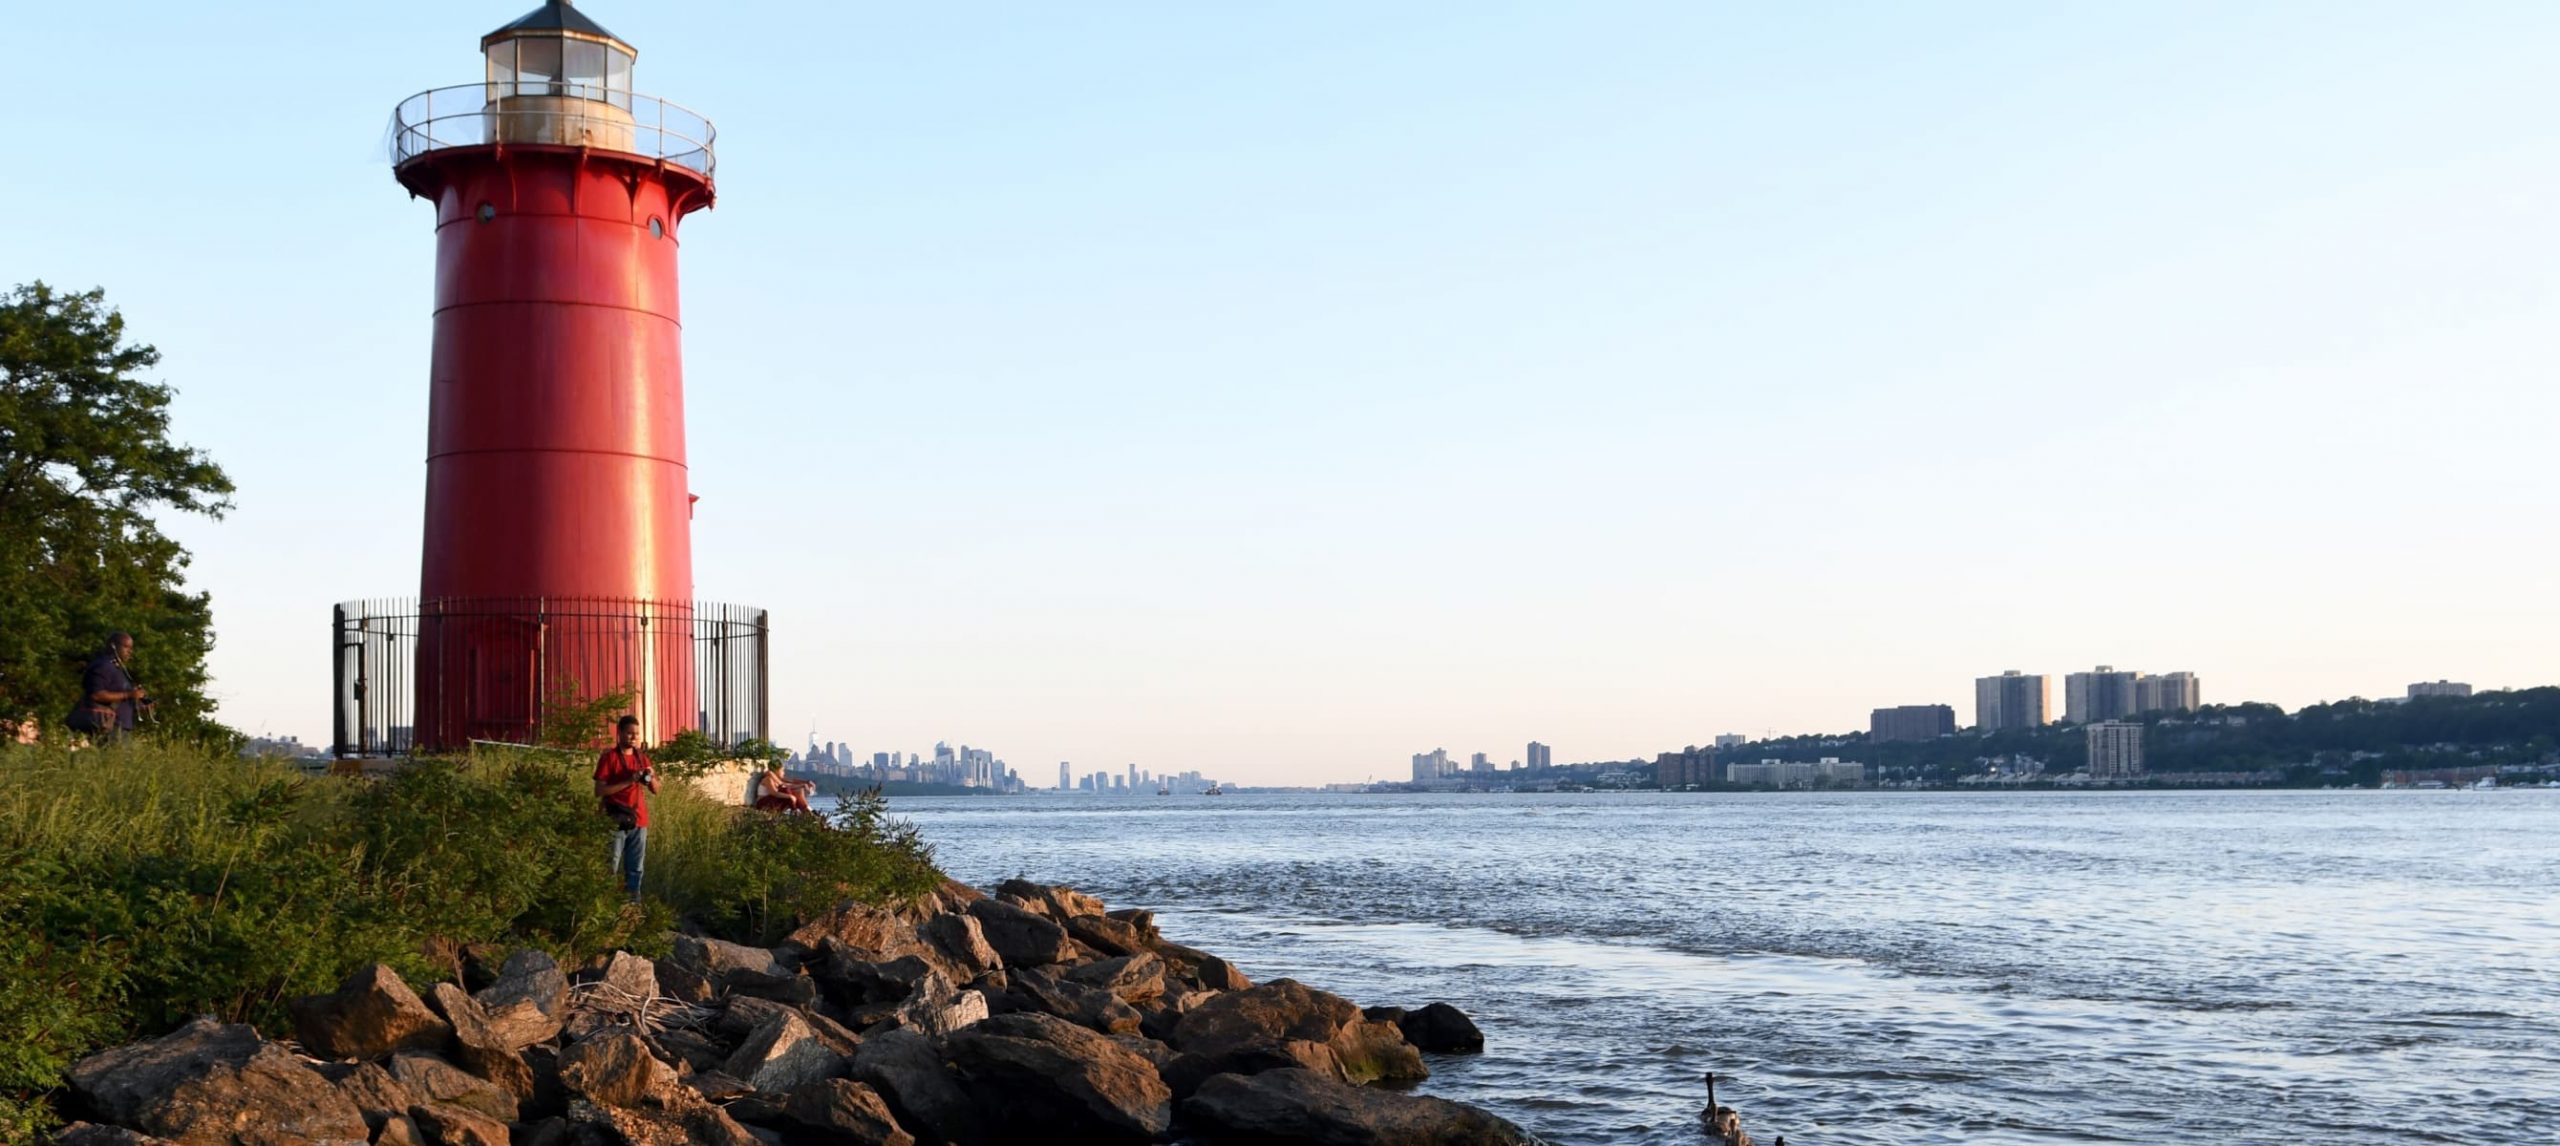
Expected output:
{"points": [[1283, 389]]}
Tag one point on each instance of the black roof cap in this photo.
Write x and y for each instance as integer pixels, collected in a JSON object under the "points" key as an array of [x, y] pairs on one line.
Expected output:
{"points": [[554, 16]]}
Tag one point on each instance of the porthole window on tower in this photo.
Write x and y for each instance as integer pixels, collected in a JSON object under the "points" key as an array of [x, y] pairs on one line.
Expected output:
{"points": [[488, 212], [657, 227]]}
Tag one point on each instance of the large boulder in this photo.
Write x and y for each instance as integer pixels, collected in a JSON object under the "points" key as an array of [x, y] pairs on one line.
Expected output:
{"points": [[208, 1084], [782, 1053], [477, 1044], [371, 1014], [614, 1071], [838, 1112], [1269, 1025], [444, 1124], [1046, 1079], [1105, 934], [856, 933], [962, 942], [1435, 1029], [1037, 990], [526, 1003], [908, 1071], [1019, 937], [433, 1079], [716, 959], [1306, 1108], [1059, 903], [1132, 978], [1210, 972], [377, 1096]]}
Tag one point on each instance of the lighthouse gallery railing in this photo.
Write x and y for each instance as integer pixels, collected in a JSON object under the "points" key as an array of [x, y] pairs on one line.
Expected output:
{"points": [[375, 662], [475, 115]]}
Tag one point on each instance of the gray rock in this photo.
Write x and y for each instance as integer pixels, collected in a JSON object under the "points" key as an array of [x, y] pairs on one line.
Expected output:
{"points": [[614, 1071], [843, 1113], [208, 1084], [1251, 1026], [1047, 1079], [372, 1014], [376, 1095], [1207, 970], [1019, 937], [716, 959], [783, 1053], [1302, 1106], [434, 1080], [526, 1003], [400, 1131], [445, 1124], [478, 1046], [1132, 978], [908, 1071], [1105, 934], [1437, 1028], [962, 942]]}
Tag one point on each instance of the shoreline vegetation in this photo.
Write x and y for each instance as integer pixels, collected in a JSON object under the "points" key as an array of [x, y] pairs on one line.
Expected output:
{"points": [[205, 950]]}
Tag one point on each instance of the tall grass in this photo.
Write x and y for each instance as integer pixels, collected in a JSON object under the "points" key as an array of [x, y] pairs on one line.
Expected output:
{"points": [[143, 884]]}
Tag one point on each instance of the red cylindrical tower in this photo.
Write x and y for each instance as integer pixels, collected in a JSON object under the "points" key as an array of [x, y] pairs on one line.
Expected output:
{"points": [[559, 554]]}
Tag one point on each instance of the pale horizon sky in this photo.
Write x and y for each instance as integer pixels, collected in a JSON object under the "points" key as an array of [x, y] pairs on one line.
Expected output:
{"points": [[1282, 390]]}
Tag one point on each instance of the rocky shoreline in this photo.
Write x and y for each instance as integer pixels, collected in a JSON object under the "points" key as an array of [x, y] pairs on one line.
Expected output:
{"points": [[1032, 1015]]}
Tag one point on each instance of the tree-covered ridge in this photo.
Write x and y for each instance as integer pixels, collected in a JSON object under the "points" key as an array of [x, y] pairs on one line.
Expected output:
{"points": [[2344, 741], [86, 460]]}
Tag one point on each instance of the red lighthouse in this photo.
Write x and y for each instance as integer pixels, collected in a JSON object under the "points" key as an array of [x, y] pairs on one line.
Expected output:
{"points": [[558, 558]]}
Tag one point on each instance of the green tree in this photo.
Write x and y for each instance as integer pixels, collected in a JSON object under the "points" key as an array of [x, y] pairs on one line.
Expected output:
{"points": [[86, 461]]}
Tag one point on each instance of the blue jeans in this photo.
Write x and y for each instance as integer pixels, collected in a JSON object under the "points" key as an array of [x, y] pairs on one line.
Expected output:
{"points": [[629, 848]]}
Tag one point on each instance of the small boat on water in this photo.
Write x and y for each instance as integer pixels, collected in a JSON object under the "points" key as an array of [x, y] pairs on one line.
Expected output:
{"points": [[1164, 788], [1214, 790]]}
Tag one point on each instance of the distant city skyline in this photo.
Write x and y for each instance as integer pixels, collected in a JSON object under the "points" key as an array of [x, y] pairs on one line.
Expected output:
{"points": [[1284, 389]]}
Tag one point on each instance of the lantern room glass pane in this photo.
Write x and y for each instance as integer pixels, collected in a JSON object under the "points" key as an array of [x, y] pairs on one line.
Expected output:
{"points": [[538, 67], [584, 68], [502, 69], [617, 77]]}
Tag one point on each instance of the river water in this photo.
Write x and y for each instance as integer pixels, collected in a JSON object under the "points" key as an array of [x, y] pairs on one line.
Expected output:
{"points": [[2245, 967]]}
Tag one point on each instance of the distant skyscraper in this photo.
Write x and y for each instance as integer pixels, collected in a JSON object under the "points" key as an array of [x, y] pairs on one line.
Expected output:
{"points": [[2439, 688], [2089, 697], [1541, 756], [2168, 692], [1066, 782], [1732, 740], [1912, 722], [2012, 700], [1432, 765], [2115, 750], [1478, 763]]}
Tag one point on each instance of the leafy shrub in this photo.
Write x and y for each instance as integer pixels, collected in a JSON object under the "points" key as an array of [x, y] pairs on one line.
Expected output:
{"points": [[144, 884]]}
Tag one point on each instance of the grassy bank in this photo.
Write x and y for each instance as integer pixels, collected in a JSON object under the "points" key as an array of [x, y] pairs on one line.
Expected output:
{"points": [[145, 884]]}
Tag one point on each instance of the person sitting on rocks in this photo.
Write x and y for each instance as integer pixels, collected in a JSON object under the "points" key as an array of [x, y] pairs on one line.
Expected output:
{"points": [[776, 792]]}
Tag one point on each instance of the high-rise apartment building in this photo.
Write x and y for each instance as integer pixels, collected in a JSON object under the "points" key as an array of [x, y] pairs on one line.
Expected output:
{"points": [[2115, 750], [1479, 763], [2168, 692], [2439, 688], [1732, 740], [1066, 782], [1829, 771], [1541, 756], [1912, 722], [2089, 697], [1690, 767], [2012, 700], [1432, 765]]}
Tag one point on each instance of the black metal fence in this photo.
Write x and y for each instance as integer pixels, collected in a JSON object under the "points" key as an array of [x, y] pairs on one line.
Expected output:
{"points": [[432, 676]]}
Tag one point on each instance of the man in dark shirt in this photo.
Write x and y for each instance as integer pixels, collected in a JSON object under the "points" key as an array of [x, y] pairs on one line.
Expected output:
{"points": [[621, 775], [109, 700]]}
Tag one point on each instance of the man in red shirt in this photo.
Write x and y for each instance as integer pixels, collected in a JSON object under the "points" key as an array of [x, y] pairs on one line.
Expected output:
{"points": [[621, 775]]}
